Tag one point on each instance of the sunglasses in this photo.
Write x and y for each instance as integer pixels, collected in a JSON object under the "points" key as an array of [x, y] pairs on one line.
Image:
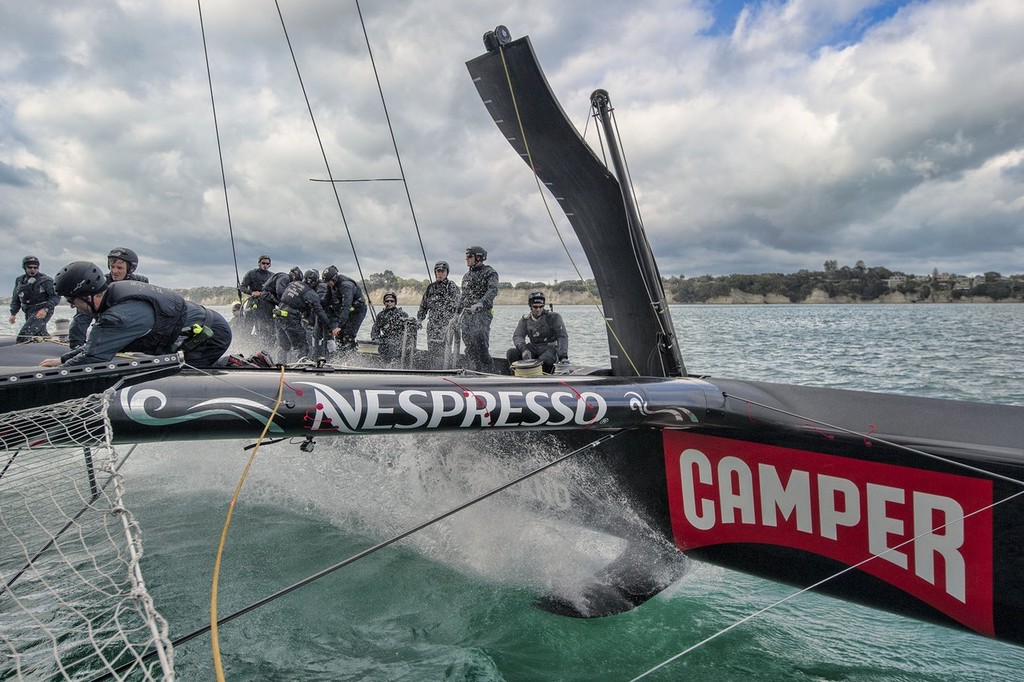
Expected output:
{"points": [[536, 307], [264, 262]]}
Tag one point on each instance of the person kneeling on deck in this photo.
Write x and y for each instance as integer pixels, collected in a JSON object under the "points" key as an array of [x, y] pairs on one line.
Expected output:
{"points": [[137, 317], [540, 335], [299, 299], [392, 331]]}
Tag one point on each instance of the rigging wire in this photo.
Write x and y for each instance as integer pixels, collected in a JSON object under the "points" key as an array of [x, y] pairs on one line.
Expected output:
{"points": [[390, 541], [551, 217], [394, 143], [220, 152], [323, 153], [214, 634]]}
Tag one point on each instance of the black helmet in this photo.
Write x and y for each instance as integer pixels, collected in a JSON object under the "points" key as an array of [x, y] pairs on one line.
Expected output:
{"points": [[536, 297], [125, 254], [477, 251], [79, 279], [295, 273], [329, 273], [311, 278], [442, 265], [390, 295], [263, 257], [29, 260]]}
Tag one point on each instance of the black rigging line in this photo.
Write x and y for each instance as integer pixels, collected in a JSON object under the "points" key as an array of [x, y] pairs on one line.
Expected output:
{"points": [[323, 152], [394, 143], [220, 153]]}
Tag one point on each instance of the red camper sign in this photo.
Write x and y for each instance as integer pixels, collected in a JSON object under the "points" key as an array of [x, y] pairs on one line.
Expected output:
{"points": [[924, 529]]}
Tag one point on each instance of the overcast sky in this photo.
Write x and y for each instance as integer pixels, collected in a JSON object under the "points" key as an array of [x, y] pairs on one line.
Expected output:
{"points": [[762, 136]]}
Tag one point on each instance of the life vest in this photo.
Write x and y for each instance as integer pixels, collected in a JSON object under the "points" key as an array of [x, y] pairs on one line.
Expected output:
{"points": [[336, 295], [293, 297], [32, 291], [539, 329], [255, 280], [479, 285], [390, 323], [441, 301], [271, 286], [168, 309]]}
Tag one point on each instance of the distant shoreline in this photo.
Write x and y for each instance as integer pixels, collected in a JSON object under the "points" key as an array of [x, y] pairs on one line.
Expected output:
{"points": [[409, 298]]}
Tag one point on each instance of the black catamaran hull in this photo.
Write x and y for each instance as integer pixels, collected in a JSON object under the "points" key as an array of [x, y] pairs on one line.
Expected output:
{"points": [[790, 483]]}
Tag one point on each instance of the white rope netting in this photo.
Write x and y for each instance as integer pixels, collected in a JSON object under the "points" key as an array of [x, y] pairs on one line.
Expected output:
{"points": [[73, 604]]}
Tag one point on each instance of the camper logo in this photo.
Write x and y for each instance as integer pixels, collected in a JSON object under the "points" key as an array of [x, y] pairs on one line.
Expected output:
{"points": [[927, 533]]}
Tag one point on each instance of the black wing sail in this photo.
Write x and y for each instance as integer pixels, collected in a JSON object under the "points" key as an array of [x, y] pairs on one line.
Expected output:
{"points": [[591, 198]]}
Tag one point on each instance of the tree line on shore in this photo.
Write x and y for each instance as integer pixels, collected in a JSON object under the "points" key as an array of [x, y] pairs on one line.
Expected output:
{"points": [[856, 283]]}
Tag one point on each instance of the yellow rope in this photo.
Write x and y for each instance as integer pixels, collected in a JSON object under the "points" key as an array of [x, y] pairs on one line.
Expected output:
{"points": [[214, 639], [551, 217]]}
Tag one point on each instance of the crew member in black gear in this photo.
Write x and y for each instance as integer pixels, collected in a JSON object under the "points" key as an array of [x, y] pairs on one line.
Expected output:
{"points": [[479, 288], [393, 326], [345, 306], [255, 311], [278, 282], [299, 299], [540, 335], [137, 317], [121, 264], [441, 303], [34, 294], [272, 290]]}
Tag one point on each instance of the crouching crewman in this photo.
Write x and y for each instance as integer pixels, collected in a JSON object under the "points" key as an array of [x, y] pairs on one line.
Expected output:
{"points": [[137, 317], [540, 335]]}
